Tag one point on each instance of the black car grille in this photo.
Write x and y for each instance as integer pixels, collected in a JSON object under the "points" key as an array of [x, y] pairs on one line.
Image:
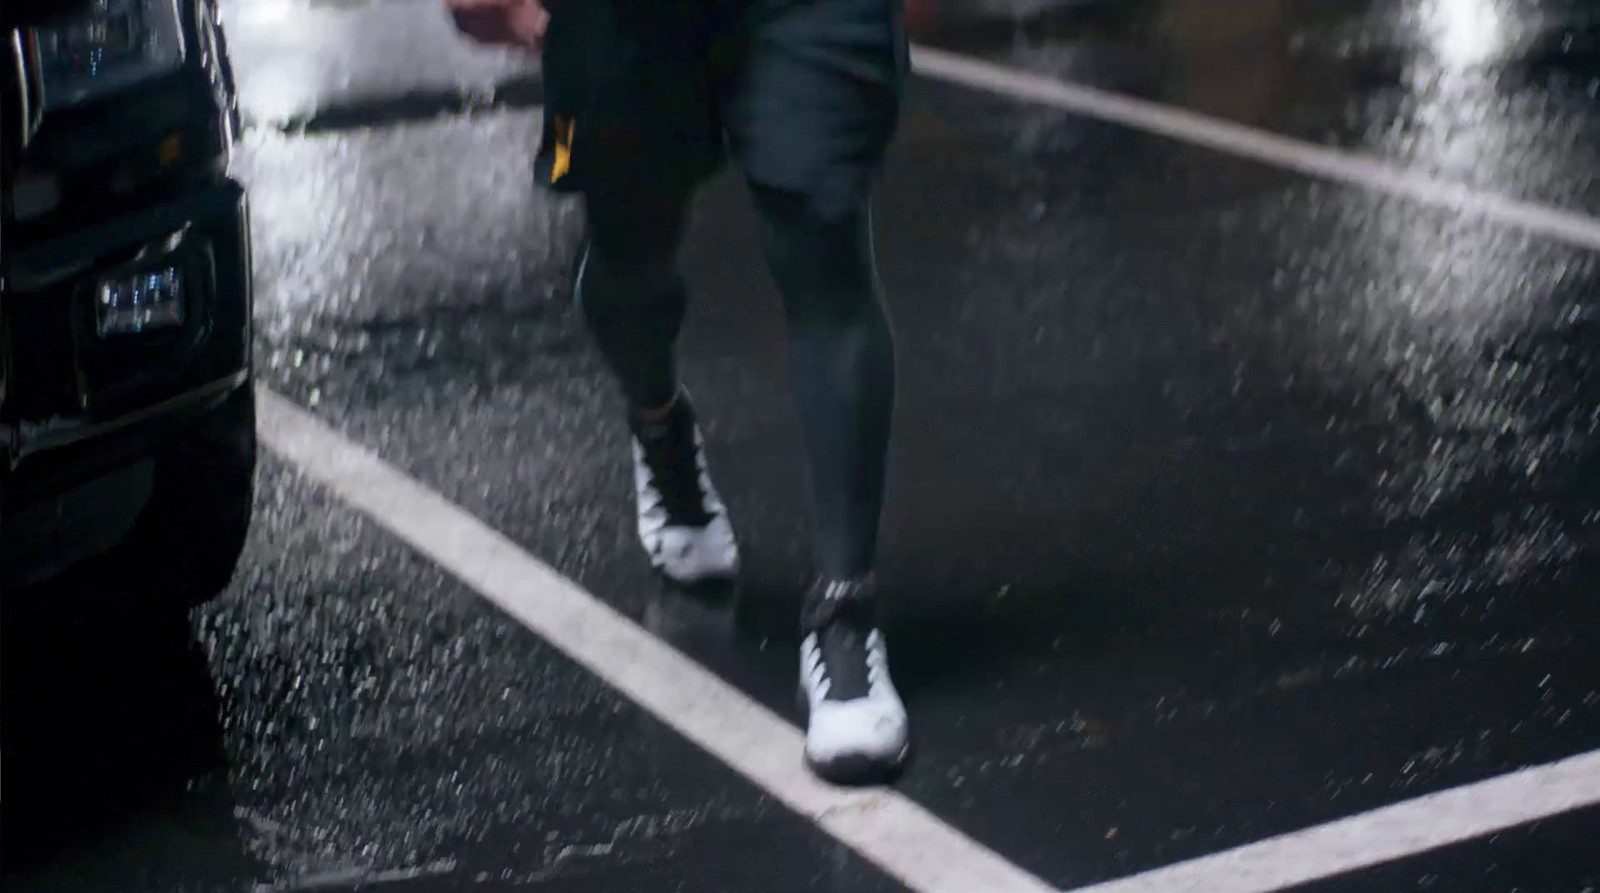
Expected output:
{"points": [[42, 382]]}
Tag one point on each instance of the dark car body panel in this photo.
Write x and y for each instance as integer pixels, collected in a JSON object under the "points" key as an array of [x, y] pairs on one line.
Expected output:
{"points": [[134, 181]]}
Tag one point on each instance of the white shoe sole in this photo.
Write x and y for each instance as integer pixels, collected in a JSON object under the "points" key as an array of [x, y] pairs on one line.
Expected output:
{"points": [[688, 556], [854, 769]]}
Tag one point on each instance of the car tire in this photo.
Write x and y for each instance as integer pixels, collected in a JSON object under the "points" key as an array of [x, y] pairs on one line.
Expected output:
{"points": [[186, 543]]}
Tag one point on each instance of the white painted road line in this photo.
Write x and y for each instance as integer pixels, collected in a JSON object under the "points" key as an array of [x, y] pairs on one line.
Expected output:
{"points": [[1258, 145], [1383, 835], [894, 833], [897, 835]]}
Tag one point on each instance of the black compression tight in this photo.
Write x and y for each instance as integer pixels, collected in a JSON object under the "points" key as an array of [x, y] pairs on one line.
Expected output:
{"points": [[840, 347]]}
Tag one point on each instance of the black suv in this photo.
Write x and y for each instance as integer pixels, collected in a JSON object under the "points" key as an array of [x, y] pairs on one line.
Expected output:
{"points": [[127, 416]]}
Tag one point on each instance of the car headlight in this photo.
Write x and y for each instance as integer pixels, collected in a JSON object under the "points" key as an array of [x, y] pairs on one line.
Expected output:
{"points": [[110, 45]]}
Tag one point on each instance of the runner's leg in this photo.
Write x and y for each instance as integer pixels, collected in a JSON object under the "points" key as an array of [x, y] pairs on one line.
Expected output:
{"points": [[810, 105], [841, 369], [630, 291], [633, 300]]}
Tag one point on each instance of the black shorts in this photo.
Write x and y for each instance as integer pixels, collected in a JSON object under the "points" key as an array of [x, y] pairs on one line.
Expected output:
{"points": [[804, 95]]}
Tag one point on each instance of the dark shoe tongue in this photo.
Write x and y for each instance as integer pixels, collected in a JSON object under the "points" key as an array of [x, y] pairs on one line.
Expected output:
{"points": [[842, 613], [671, 453], [844, 653]]}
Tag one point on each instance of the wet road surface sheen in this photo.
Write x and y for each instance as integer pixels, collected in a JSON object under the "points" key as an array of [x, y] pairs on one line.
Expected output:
{"points": [[307, 64], [380, 728], [1269, 533], [1499, 94], [1225, 502], [1552, 856]]}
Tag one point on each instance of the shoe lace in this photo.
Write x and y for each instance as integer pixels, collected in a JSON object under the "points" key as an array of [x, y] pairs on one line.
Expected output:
{"points": [[848, 656], [676, 465]]}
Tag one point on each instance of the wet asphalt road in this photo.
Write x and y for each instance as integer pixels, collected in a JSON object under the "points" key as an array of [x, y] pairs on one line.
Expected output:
{"points": [[1225, 501]]}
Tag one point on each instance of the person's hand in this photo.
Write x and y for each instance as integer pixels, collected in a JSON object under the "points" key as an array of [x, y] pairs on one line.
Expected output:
{"points": [[921, 14], [519, 23]]}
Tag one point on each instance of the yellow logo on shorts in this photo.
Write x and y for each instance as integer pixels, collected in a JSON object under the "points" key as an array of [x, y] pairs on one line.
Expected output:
{"points": [[563, 159]]}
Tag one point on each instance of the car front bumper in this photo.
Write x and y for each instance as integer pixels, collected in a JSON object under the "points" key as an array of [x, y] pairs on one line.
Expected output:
{"points": [[83, 416]]}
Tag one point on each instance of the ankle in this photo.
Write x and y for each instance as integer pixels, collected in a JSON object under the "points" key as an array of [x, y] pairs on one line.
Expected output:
{"points": [[660, 414], [831, 599], [864, 580]]}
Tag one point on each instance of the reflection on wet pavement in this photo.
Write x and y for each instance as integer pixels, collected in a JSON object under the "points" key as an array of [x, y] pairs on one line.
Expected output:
{"points": [[304, 62], [346, 717], [1496, 93]]}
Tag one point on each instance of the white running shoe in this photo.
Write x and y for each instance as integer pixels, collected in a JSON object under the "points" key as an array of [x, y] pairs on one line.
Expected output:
{"points": [[856, 726], [683, 524]]}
